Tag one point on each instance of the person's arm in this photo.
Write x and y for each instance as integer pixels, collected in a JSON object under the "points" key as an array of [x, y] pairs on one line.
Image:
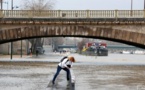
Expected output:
{"points": [[69, 64], [66, 63]]}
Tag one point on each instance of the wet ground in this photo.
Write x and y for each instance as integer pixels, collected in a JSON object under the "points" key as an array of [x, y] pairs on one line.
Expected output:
{"points": [[89, 76], [110, 77]]}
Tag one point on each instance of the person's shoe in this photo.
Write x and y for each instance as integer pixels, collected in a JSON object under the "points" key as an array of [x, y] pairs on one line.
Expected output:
{"points": [[51, 84]]}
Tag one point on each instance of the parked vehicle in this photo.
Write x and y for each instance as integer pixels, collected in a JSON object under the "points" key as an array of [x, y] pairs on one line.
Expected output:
{"points": [[40, 50]]}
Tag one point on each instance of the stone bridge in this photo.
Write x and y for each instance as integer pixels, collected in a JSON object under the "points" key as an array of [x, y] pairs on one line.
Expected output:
{"points": [[128, 34], [125, 26]]}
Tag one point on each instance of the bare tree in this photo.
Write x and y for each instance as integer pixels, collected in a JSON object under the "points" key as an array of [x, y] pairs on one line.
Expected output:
{"points": [[37, 5], [57, 41], [82, 43]]}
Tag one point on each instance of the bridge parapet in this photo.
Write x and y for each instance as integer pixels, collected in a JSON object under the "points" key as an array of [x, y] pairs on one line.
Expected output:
{"points": [[72, 14]]}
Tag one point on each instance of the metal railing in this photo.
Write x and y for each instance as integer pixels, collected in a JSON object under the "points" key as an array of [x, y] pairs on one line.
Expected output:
{"points": [[72, 14]]}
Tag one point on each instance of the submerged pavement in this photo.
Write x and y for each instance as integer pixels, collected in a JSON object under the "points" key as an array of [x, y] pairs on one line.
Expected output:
{"points": [[115, 72]]}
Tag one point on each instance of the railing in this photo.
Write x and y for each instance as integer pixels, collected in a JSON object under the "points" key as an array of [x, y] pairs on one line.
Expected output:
{"points": [[72, 14]]}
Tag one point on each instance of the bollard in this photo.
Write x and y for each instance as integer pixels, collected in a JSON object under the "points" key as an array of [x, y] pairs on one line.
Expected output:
{"points": [[72, 81]]}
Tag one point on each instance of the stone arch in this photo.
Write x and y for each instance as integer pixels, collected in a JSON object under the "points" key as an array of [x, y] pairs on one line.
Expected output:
{"points": [[117, 35]]}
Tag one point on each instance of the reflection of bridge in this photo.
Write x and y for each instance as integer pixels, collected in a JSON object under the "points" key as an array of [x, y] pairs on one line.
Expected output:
{"points": [[117, 25]]}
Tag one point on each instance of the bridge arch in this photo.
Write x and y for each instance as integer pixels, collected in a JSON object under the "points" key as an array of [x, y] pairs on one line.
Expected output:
{"points": [[87, 31]]}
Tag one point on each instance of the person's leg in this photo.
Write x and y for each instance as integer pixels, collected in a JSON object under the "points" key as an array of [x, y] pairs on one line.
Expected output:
{"points": [[56, 74], [67, 73]]}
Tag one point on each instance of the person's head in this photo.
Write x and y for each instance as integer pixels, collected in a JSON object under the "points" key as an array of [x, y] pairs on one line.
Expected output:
{"points": [[72, 59]]}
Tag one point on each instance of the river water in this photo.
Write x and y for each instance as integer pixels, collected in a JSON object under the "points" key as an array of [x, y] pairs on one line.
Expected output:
{"points": [[114, 72]]}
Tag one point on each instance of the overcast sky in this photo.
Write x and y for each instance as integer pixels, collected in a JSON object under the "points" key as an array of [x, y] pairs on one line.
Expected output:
{"points": [[90, 4], [99, 4]]}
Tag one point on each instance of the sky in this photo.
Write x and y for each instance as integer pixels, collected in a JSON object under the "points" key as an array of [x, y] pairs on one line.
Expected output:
{"points": [[88, 4]]}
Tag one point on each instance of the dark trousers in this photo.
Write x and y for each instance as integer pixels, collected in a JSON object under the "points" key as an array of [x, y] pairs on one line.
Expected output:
{"points": [[58, 71]]}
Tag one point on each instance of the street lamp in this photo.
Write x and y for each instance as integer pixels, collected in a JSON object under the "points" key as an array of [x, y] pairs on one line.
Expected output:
{"points": [[12, 4], [131, 6], [1, 1], [144, 4], [11, 42], [1, 4]]}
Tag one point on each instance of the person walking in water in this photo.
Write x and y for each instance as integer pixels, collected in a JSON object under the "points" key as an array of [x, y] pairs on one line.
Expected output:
{"points": [[65, 64]]}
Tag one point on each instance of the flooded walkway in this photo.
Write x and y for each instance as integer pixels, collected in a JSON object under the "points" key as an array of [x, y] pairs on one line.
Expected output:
{"points": [[89, 76], [29, 76]]}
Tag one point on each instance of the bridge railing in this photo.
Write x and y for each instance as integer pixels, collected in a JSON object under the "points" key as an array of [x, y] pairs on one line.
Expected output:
{"points": [[72, 14]]}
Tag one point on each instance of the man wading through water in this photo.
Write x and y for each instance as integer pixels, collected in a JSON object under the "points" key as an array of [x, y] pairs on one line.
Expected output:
{"points": [[65, 64]]}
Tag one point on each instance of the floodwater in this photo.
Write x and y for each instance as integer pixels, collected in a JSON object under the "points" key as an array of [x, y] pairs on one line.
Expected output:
{"points": [[114, 72], [110, 77]]}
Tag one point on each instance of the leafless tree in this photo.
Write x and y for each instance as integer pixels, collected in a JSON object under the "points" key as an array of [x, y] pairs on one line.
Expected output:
{"points": [[57, 41], [37, 5], [82, 43]]}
